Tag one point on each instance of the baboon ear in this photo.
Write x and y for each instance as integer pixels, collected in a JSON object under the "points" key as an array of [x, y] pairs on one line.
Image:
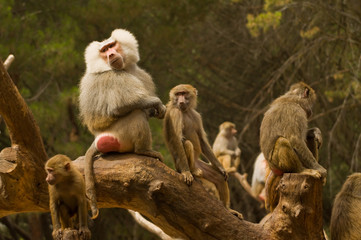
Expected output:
{"points": [[67, 166], [306, 92]]}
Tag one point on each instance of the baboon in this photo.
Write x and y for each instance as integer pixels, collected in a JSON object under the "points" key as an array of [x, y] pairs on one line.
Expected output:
{"points": [[68, 203], [259, 177], [283, 136], [346, 211], [225, 147], [187, 140], [116, 99]]}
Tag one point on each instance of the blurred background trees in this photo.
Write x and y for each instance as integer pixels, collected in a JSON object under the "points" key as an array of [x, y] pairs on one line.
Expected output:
{"points": [[239, 54]]}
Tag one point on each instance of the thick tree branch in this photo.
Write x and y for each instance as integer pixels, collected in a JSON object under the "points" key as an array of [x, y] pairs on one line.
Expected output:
{"points": [[22, 175], [23, 130], [148, 186]]}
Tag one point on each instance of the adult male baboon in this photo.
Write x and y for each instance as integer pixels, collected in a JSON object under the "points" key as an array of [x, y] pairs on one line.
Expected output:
{"points": [[283, 136], [67, 197], [115, 99], [225, 147], [187, 140], [346, 211]]}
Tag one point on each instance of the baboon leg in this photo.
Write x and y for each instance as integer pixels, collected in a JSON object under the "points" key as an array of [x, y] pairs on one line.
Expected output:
{"points": [[236, 162], [189, 150], [284, 157], [65, 218], [217, 179], [143, 145]]}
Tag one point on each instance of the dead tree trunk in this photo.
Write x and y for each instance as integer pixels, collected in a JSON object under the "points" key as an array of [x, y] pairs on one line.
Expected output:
{"points": [[298, 214], [146, 185]]}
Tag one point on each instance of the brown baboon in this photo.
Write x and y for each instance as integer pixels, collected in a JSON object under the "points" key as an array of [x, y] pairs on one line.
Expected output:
{"points": [[346, 211], [67, 197], [225, 147], [187, 140], [116, 97], [283, 136]]}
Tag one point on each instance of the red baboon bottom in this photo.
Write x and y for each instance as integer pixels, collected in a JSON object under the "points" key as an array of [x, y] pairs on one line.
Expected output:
{"points": [[107, 143]]}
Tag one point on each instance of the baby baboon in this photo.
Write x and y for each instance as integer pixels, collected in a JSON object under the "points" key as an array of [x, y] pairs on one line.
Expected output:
{"points": [[346, 211], [187, 140], [225, 147], [283, 136], [116, 99], [67, 197]]}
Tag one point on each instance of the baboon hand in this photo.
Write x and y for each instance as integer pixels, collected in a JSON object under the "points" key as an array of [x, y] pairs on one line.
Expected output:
{"points": [[160, 111], [238, 152], [316, 134]]}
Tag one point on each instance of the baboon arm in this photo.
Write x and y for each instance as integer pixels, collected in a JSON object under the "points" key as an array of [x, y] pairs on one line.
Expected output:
{"points": [[54, 210], [226, 151], [176, 141], [145, 103], [305, 155]]}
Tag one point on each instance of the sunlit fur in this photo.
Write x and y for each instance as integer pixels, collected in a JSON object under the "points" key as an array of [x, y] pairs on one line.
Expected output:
{"points": [[226, 142], [117, 103], [225, 147], [186, 140], [283, 135], [129, 45], [67, 197], [104, 93], [191, 95], [287, 117]]}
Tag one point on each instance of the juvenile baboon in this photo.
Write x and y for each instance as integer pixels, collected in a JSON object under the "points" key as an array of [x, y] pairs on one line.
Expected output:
{"points": [[116, 97], [225, 147], [283, 136], [346, 211], [187, 140], [68, 203]]}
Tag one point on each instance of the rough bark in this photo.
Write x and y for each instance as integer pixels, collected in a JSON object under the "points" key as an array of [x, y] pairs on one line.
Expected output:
{"points": [[22, 185], [147, 186], [298, 214]]}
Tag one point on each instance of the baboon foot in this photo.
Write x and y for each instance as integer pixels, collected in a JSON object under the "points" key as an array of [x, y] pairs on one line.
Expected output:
{"points": [[187, 177], [312, 172], [197, 172]]}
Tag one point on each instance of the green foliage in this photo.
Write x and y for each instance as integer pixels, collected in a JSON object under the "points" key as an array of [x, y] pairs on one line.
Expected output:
{"points": [[270, 5], [309, 34], [263, 21]]}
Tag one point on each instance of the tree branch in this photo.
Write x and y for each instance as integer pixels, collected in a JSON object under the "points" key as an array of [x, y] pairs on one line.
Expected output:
{"points": [[23, 130], [22, 185], [148, 186]]}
